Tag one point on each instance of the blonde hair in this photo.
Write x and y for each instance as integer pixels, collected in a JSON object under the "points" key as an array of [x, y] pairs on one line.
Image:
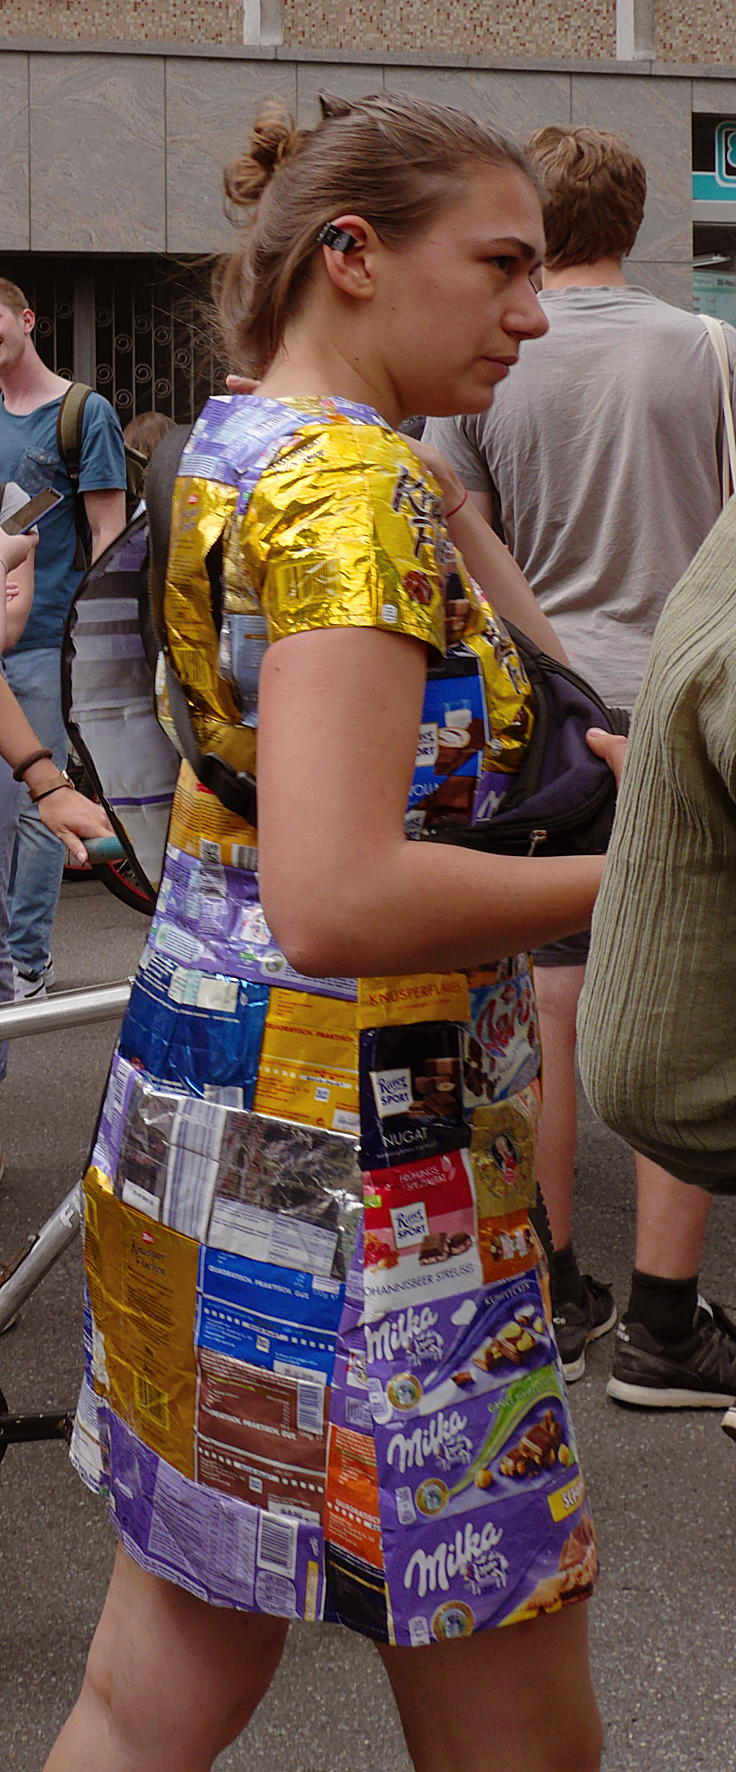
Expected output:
{"points": [[593, 192], [12, 297], [394, 161]]}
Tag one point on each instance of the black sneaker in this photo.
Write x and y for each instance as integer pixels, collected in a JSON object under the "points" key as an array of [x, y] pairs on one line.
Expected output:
{"points": [[697, 1373], [577, 1324]]}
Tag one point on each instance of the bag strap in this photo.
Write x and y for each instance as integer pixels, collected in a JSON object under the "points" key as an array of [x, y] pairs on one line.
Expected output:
{"points": [[161, 473], [236, 791], [714, 329], [69, 421], [69, 428]]}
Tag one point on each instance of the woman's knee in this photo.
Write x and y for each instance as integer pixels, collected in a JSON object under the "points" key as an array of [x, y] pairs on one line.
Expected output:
{"points": [[176, 1681]]}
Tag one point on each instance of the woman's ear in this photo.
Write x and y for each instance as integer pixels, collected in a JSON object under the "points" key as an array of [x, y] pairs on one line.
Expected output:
{"points": [[351, 267]]}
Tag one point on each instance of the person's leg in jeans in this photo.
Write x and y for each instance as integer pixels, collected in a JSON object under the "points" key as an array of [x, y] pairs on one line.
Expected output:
{"points": [[8, 816], [35, 678]]}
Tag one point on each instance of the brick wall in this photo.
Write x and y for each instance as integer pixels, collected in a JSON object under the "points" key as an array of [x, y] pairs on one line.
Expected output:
{"points": [[155, 21], [686, 32], [547, 28]]}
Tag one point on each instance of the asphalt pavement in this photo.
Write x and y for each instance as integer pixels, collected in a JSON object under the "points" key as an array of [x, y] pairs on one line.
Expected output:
{"points": [[662, 1484]]}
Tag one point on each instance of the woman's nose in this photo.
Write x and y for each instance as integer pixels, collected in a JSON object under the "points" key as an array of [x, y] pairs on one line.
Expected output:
{"points": [[527, 317]]}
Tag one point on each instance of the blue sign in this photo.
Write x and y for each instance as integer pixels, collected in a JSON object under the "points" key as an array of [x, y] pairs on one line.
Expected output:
{"points": [[719, 186]]}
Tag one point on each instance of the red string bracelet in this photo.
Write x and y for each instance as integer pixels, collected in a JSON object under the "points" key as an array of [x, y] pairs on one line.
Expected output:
{"points": [[456, 508]]}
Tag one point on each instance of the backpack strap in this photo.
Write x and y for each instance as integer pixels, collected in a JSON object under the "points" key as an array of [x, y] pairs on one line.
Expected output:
{"points": [[716, 334], [69, 422], [237, 791], [161, 473]]}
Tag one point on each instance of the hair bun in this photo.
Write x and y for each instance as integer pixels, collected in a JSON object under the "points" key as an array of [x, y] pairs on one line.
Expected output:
{"points": [[332, 106], [273, 140]]}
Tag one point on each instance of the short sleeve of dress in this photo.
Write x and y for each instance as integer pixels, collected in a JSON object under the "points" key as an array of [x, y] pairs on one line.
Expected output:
{"points": [[344, 529]]}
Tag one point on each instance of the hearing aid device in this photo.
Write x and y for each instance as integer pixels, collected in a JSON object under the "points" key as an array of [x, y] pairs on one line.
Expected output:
{"points": [[338, 238]]}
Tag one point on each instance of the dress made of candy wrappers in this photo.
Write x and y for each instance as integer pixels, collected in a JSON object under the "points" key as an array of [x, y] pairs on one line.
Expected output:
{"points": [[321, 1380]]}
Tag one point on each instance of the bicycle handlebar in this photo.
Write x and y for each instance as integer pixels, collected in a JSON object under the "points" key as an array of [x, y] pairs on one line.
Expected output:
{"points": [[104, 848]]}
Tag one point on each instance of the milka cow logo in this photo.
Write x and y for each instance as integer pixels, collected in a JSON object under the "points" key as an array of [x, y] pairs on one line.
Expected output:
{"points": [[431, 1442], [467, 1553], [400, 1334]]}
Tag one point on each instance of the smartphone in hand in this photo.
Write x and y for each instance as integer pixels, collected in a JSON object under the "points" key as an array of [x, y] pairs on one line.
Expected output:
{"points": [[31, 512]]}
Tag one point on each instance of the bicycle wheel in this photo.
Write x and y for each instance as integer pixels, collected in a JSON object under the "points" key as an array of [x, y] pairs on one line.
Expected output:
{"points": [[119, 878]]}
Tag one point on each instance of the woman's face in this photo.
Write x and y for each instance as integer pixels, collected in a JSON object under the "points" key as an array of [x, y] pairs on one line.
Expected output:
{"points": [[455, 304]]}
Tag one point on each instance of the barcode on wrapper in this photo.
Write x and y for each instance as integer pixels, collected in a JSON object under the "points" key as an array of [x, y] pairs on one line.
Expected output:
{"points": [[243, 855], [310, 1399], [277, 1542]]}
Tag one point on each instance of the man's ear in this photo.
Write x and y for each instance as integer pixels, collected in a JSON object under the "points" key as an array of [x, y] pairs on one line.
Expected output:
{"points": [[352, 270], [29, 320]]}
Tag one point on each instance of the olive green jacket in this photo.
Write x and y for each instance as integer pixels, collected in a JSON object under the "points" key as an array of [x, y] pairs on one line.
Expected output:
{"points": [[657, 1020]]}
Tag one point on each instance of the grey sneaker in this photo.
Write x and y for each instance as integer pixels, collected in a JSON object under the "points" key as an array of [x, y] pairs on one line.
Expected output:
{"points": [[577, 1324], [33, 985], [697, 1373]]}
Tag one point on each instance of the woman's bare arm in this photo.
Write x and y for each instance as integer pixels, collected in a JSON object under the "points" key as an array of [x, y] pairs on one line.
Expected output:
{"points": [[343, 890], [19, 600], [69, 815], [487, 558], [489, 562]]}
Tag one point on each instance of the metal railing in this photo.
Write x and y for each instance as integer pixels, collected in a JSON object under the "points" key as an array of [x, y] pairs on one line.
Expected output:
{"points": [[23, 1272], [96, 1002]]}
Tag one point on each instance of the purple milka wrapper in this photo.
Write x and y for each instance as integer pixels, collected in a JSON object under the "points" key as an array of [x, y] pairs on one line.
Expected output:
{"points": [[457, 1532], [219, 1548]]}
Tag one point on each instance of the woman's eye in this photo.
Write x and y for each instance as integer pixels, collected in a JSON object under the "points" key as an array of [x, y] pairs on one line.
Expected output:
{"points": [[503, 262]]}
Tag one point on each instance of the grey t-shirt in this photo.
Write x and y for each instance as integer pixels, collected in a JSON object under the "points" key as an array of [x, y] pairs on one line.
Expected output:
{"points": [[604, 449], [13, 499]]}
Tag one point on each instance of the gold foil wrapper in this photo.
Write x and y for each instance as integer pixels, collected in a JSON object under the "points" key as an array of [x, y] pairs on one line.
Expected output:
{"points": [[202, 511], [345, 530], [142, 1280]]}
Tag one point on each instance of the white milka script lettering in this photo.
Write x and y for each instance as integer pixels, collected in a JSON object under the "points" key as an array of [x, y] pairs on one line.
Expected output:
{"points": [[412, 1450], [438, 1568], [391, 1337]]}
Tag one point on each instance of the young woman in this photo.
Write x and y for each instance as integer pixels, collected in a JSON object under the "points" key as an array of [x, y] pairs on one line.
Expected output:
{"points": [[321, 1379]]}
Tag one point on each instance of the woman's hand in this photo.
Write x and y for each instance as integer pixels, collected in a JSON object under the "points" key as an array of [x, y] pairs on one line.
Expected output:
{"points": [[611, 747], [69, 816], [14, 549]]}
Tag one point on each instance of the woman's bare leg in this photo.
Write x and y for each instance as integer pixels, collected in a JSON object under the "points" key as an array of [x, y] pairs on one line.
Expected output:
{"points": [[518, 1699], [169, 1680]]}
